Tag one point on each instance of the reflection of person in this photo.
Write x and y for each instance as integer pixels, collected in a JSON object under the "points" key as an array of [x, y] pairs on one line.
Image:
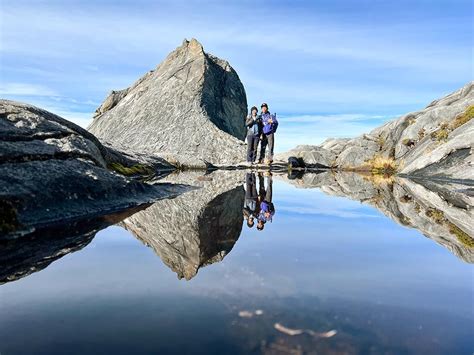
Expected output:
{"points": [[269, 128], [254, 130], [267, 209], [251, 204]]}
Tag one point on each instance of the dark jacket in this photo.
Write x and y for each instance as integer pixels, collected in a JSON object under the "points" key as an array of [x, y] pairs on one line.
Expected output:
{"points": [[254, 125]]}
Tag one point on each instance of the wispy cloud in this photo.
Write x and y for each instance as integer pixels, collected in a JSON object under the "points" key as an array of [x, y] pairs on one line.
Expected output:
{"points": [[23, 89], [307, 58]]}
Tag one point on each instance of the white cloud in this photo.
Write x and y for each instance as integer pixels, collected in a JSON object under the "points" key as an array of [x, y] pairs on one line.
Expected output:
{"points": [[23, 89]]}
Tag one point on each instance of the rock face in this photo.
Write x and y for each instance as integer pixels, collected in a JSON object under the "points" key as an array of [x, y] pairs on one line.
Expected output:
{"points": [[442, 212], [53, 171], [196, 229], [193, 105], [436, 141]]}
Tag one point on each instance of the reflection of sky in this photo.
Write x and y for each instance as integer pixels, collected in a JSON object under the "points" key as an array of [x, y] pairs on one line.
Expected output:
{"points": [[316, 246]]}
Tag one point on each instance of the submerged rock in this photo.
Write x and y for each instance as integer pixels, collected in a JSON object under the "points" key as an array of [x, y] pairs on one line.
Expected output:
{"points": [[190, 109], [53, 171], [197, 228]]}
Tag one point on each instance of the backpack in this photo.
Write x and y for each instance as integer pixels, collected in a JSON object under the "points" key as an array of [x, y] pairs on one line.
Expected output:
{"points": [[272, 127]]}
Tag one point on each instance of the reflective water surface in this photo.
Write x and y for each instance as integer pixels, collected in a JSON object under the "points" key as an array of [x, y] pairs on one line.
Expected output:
{"points": [[331, 263]]}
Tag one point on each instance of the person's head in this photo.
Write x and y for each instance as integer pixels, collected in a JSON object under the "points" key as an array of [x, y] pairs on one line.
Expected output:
{"points": [[254, 110], [264, 107], [260, 225], [250, 222], [267, 215]]}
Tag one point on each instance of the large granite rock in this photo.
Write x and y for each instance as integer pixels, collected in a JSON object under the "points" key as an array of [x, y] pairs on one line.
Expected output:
{"points": [[436, 141], [190, 109], [197, 228], [357, 151], [53, 171]]}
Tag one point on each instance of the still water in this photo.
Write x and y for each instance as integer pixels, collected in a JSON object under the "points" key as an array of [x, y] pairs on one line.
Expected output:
{"points": [[343, 265]]}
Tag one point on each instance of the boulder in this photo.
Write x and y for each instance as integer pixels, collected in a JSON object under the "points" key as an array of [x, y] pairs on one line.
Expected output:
{"points": [[312, 156], [53, 171], [191, 108]]}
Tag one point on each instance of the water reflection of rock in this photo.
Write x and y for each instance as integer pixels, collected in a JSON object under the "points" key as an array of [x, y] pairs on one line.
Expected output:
{"points": [[196, 229], [33, 252], [441, 211]]}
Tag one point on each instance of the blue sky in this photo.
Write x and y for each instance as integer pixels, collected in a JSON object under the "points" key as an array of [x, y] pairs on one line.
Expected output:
{"points": [[328, 68]]}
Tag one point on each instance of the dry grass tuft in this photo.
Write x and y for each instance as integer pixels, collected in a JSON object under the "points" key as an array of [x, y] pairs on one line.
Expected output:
{"points": [[463, 118], [436, 215], [442, 133], [421, 134], [462, 236], [379, 165]]}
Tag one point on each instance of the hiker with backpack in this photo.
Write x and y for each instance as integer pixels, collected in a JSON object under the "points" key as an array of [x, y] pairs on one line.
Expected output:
{"points": [[267, 142]]}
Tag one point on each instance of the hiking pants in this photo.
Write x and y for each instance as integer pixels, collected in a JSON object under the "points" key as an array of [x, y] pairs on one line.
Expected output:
{"points": [[267, 145], [252, 144]]}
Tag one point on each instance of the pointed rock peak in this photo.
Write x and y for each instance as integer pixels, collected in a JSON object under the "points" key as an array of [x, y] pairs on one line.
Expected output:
{"points": [[193, 45]]}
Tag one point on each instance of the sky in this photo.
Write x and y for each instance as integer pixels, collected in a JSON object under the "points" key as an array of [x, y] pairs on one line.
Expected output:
{"points": [[328, 68]]}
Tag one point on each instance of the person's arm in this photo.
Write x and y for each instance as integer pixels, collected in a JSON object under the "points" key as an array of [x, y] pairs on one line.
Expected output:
{"points": [[249, 121]]}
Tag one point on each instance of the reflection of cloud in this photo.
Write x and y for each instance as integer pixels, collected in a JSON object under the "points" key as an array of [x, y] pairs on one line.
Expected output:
{"points": [[314, 202], [337, 212]]}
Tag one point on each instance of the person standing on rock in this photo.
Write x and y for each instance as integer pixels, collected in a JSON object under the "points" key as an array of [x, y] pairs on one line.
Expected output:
{"points": [[269, 128], [254, 131]]}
